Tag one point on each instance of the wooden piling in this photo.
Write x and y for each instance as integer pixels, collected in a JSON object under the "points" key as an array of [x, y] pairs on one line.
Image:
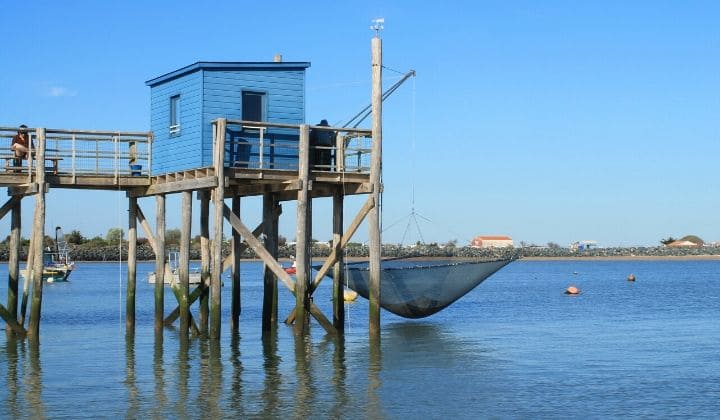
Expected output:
{"points": [[374, 239], [159, 263], [235, 271], [204, 260], [132, 267], [28, 279], [302, 241], [338, 269], [270, 289], [184, 267], [14, 261], [219, 194], [39, 234]]}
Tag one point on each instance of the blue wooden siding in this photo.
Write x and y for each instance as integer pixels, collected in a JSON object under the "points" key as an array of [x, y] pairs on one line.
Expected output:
{"points": [[214, 90], [284, 103], [177, 152]]}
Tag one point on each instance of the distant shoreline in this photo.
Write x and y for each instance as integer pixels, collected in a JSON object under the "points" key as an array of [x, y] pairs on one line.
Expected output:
{"points": [[565, 258]]}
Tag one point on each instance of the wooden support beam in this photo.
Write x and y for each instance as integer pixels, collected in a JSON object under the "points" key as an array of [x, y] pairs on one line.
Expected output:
{"points": [[9, 205], [199, 292], [159, 263], [204, 196], [38, 233], [132, 267], [374, 239], [28, 279], [12, 324], [338, 272], [184, 267], [174, 187], [270, 291], [235, 272], [302, 274], [334, 254], [14, 260], [228, 261], [192, 326], [259, 249], [146, 229], [219, 204]]}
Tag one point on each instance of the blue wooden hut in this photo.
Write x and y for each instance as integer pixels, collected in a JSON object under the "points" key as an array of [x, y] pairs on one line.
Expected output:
{"points": [[184, 103]]}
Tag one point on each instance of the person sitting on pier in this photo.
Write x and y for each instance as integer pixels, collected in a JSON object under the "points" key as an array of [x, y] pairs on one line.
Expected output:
{"points": [[20, 145]]}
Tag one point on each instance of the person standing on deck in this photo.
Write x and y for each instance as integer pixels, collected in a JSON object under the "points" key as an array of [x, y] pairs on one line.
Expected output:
{"points": [[20, 144]]}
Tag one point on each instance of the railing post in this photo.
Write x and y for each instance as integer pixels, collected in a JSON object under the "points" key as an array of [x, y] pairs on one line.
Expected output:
{"points": [[340, 152], [74, 156]]}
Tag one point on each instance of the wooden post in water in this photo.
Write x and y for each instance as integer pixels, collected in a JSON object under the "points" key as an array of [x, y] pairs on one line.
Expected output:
{"points": [[14, 261], [160, 263], [302, 273], [235, 270], [338, 269], [184, 267], [204, 259], [39, 234], [375, 242], [219, 194], [270, 289], [28, 279], [132, 267]]}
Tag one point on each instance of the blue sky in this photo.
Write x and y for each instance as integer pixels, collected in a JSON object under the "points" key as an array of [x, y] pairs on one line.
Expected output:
{"points": [[546, 121]]}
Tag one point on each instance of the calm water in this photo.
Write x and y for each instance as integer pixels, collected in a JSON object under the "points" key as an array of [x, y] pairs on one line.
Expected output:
{"points": [[514, 347]]}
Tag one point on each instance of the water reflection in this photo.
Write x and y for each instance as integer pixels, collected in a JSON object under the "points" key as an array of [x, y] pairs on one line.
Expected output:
{"points": [[133, 409], [210, 379], [236, 383], [304, 386], [374, 405], [33, 380], [182, 368], [273, 377], [339, 378], [11, 385], [160, 397]]}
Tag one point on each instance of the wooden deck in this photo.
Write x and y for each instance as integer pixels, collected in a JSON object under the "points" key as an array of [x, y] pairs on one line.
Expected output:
{"points": [[100, 160]]}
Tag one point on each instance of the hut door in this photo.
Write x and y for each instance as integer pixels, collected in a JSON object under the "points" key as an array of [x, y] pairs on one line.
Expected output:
{"points": [[249, 147]]}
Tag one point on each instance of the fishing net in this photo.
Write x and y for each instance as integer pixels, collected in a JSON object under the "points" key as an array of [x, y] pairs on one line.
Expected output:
{"points": [[416, 289]]}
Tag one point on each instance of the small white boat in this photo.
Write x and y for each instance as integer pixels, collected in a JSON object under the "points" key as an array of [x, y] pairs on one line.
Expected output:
{"points": [[174, 263], [56, 263]]}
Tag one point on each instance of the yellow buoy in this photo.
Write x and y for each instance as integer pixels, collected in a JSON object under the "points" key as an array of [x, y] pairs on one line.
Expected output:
{"points": [[349, 295], [572, 290]]}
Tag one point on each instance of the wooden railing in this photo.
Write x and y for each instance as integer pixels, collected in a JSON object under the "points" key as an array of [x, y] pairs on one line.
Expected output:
{"points": [[81, 152], [264, 145]]}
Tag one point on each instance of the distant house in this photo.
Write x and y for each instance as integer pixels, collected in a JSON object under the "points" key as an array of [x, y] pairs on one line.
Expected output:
{"points": [[491, 242], [681, 244], [583, 245]]}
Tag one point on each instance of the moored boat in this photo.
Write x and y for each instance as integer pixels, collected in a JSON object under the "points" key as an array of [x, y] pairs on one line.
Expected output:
{"points": [[56, 262]]}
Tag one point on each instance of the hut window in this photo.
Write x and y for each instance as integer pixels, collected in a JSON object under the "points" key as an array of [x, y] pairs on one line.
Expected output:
{"points": [[175, 115], [252, 106]]}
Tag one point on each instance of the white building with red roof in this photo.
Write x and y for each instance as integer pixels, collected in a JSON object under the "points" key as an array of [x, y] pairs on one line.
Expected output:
{"points": [[491, 242]]}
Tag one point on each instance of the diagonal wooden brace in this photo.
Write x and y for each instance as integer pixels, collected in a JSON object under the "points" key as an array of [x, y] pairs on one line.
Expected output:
{"points": [[259, 248], [332, 258], [10, 320]]}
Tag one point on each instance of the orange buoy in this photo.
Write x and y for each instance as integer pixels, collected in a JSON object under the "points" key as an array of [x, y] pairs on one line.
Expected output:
{"points": [[572, 290], [631, 277]]}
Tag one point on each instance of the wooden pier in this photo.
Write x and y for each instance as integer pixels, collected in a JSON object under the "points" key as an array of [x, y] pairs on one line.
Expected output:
{"points": [[284, 163]]}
